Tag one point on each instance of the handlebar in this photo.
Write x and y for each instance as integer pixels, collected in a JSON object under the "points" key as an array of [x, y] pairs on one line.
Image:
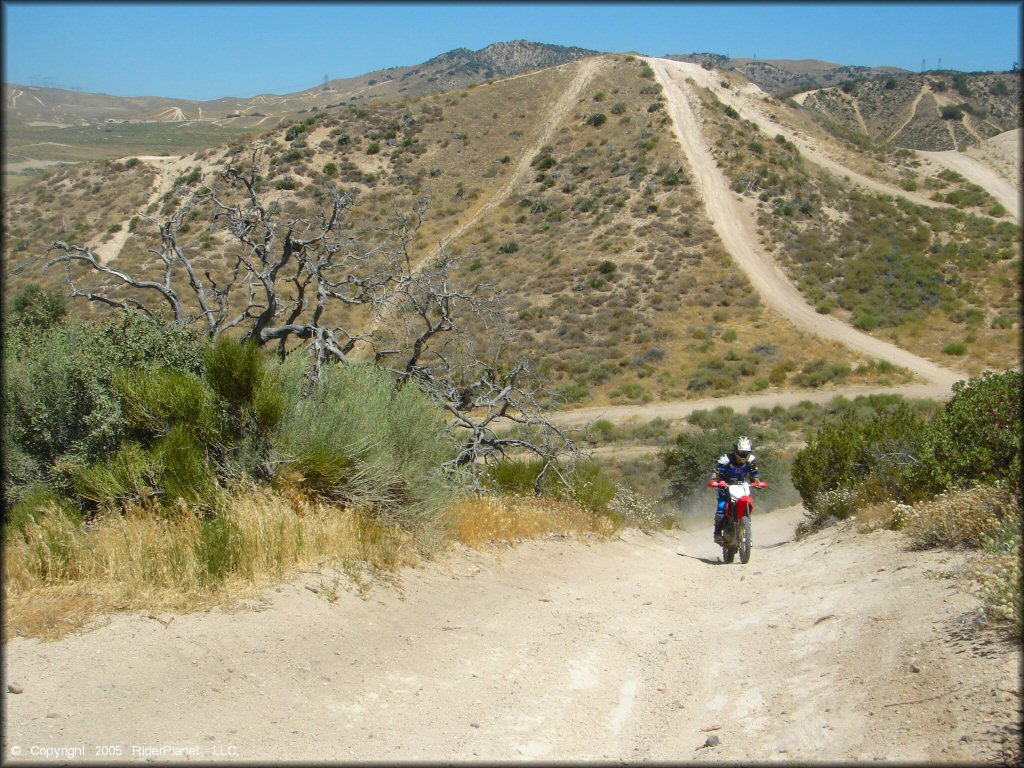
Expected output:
{"points": [[723, 484]]}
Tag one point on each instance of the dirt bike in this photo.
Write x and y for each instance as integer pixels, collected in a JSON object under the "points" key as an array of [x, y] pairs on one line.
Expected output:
{"points": [[736, 526]]}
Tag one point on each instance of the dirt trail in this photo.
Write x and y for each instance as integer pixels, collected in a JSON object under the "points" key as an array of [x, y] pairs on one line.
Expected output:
{"points": [[974, 170], [735, 227], [679, 409], [629, 650], [585, 71], [749, 102], [913, 112], [168, 169]]}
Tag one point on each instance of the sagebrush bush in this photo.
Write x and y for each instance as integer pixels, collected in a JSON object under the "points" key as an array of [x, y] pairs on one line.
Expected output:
{"points": [[362, 440], [61, 410], [633, 508], [987, 519], [963, 519]]}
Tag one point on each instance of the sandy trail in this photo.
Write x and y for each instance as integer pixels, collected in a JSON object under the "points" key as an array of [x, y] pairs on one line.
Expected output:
{"points": [[556, 650], [168, 169], [735, 227], [974, 170]]}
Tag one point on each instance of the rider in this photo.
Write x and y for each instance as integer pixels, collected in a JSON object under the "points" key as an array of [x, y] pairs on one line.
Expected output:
{"points": [[738, 466]]}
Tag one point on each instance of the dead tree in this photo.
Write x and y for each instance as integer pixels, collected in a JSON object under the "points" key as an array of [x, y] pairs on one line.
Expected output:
{"points": [[288, 273]]}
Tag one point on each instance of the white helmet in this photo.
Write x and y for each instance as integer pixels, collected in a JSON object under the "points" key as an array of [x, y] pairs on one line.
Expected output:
{"points": [[742, 447]]}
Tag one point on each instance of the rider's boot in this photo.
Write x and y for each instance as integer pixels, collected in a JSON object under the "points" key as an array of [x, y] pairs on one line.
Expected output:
{"points": [[719, 520]]}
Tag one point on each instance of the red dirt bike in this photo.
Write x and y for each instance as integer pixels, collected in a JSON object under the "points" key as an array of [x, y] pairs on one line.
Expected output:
{"points": [[736, 526]]}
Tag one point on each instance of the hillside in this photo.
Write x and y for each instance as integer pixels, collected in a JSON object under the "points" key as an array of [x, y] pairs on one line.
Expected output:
{"points": [[780, 77], [43, 126], [617, 292], [932, 111]]}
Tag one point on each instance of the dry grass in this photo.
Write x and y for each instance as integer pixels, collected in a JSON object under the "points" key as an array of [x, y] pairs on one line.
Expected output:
{"points": [[62, 575], [959, 519], [477, 522], [987, 520]]}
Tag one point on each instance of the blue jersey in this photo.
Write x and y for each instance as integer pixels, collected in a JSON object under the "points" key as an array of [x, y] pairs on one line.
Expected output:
{"points": [[731, 470]]}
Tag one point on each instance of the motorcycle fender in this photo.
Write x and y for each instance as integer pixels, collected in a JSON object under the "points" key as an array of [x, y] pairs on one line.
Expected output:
{"points": [[743, 507]]}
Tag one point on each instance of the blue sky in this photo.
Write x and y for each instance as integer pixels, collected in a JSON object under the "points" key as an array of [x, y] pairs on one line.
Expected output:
{"points": [[207, 50]]}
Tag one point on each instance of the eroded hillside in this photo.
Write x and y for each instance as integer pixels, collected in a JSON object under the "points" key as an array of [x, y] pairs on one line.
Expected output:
{"points": [[932, 111]]}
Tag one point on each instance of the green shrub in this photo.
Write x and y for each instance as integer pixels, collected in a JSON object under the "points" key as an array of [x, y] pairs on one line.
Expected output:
{"points": [[857, 453], [517, 477], [184, 467], [955, 348], [364, 441], [597, 119], [35, 503], [131, 340], [233, 370], [571, 393], [154, 402], [590, 487], [37, 307], [976, 436], [127, 476]]}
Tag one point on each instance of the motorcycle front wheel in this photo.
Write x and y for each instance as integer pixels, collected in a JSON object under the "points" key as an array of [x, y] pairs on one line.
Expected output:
{"points": [[745, 542]]}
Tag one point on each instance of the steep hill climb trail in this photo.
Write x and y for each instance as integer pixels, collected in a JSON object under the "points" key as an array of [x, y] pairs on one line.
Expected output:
{"points": [[840, 646], [585, 71]]}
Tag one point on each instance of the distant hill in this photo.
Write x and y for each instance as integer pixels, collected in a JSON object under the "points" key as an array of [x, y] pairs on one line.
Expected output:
{"points": [[931, 111], [787, 76], [52, 107]]}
